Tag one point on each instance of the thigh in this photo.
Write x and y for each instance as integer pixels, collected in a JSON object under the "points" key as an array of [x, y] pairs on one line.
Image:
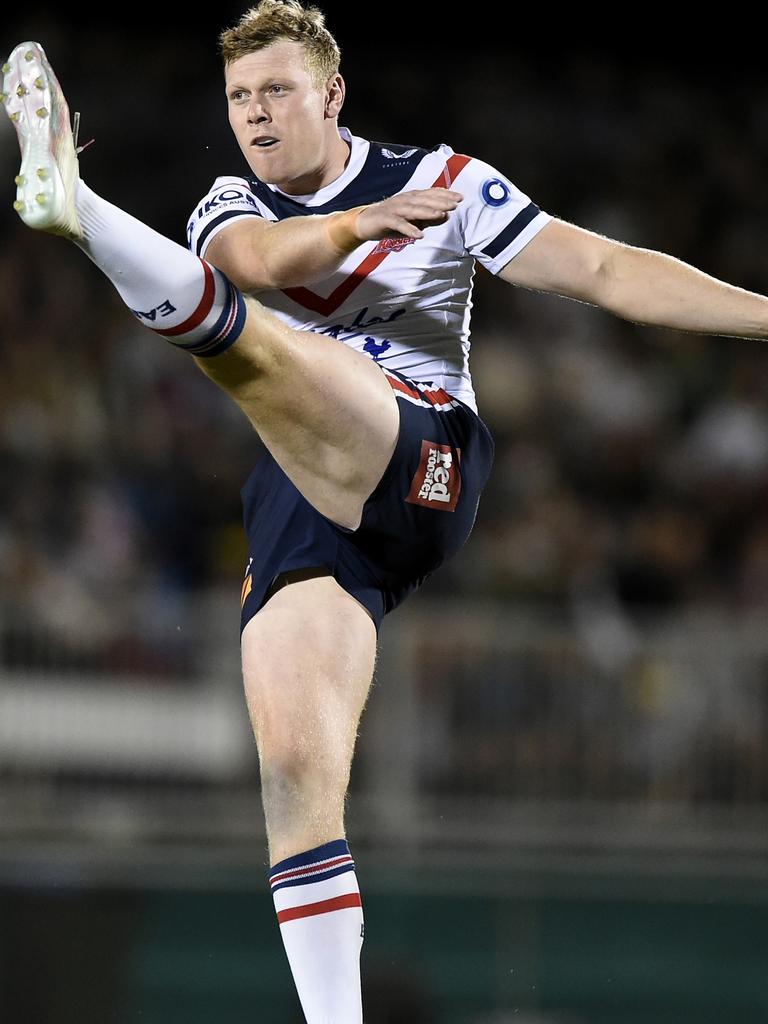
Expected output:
{"points": [[308, 659], [325, 412], [419, 514]]}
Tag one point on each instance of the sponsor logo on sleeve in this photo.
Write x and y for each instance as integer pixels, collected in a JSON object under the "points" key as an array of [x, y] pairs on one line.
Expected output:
{"points": [[225, 198], [437, 482], [495, 192]]}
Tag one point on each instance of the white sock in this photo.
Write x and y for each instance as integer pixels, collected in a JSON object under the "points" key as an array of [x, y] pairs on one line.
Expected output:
{"points": [[318, 906], [167, 288]]}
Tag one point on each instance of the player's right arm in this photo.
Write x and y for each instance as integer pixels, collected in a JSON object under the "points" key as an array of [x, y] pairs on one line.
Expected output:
{"points": [[257, 254]]}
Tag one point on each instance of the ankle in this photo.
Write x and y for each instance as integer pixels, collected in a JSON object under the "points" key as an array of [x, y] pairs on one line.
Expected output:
{"points": [[300, 842]]}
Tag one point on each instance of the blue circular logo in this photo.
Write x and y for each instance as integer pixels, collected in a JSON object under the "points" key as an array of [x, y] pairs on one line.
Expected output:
{"points": [[495, 192]]}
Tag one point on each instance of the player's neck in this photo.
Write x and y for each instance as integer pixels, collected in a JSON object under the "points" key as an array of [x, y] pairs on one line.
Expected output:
{"points": [[336, 159]]}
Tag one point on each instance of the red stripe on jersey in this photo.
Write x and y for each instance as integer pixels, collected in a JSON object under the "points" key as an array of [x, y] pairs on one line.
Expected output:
{"points": [[439, 397], [319, 304], [352, 899], [453, 169], [202, 311], [325, 306], [436, 397], [397, 385]]}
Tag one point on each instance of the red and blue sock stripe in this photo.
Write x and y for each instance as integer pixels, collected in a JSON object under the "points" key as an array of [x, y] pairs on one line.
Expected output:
{"points": [[216, 323], [316, 865]]}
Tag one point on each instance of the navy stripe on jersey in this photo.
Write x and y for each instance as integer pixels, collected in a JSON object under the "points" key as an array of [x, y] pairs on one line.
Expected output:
{"points": [[381, 176], [227, 215], [512, 230]]}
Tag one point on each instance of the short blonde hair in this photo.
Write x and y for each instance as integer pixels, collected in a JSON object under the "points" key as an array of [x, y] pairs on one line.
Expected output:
{"points": [[274, 20]]}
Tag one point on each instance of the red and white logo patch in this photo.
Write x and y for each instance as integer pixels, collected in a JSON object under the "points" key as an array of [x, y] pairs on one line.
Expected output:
{"points": [[392, 245], [437, 482]]}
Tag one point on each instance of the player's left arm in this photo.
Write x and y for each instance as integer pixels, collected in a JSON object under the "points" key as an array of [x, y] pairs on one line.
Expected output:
{"points": [[640, 285]]}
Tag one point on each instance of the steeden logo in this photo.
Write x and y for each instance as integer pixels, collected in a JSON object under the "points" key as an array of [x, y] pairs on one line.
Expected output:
{"points": [[437, 482]]}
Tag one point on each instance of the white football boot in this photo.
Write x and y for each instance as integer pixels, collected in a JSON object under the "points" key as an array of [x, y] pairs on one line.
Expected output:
{"points": [[47, 180]]}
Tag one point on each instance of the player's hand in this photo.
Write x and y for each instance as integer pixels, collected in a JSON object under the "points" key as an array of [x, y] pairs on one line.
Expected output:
{"points": [[407, 214]]}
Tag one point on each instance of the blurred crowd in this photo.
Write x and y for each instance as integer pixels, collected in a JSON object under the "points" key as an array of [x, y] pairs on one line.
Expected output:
{"points": [[631, 473], [632, 463]]}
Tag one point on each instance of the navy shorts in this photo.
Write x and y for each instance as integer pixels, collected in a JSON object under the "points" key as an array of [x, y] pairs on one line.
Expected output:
{"points": [[419, 515]]}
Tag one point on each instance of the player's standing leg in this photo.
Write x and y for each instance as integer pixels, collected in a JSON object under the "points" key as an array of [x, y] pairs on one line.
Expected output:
{"points": [[308, 659]]}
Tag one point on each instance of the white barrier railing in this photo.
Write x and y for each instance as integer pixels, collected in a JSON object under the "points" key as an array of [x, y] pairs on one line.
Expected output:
{"points": [[484, 721]]}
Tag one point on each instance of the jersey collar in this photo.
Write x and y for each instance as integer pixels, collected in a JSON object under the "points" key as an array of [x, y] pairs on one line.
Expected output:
{"points": [[358, 154]]}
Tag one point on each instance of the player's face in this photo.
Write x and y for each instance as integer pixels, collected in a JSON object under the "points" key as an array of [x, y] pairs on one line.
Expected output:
{"points": [[283, 121]]}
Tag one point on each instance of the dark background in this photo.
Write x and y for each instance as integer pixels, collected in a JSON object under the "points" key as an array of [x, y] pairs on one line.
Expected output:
{"points": [[630, 486]]}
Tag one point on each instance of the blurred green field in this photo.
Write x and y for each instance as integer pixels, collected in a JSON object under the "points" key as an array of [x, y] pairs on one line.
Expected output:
{"points": [[442, 947]]}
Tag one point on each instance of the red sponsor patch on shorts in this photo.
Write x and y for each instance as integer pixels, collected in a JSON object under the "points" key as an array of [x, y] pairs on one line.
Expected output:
{"points": [[437, 482]]}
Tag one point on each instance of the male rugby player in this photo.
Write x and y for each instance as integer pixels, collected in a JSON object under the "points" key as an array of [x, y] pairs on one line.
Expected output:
{"points": [[358, 384]]}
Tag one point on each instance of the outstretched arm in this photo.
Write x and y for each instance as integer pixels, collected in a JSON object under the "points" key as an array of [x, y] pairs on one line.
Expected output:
{"points": [[256, 254], [641, 285]]}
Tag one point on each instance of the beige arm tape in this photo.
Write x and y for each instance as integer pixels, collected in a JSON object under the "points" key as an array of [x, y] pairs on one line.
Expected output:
{"points": [[341, 229]]}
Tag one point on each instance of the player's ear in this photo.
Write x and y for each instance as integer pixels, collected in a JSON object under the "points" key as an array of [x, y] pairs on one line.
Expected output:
{"points": [[335, 91]]}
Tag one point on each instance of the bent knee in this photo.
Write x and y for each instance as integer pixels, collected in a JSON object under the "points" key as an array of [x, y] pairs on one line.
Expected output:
{"points": [[255, 356]]}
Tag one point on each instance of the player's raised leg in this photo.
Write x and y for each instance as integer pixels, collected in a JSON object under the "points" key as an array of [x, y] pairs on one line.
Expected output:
{"points": [[326, 413], [47, 178], [308, 659]]}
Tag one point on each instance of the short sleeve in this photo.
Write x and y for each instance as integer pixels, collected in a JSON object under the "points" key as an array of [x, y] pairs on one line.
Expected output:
{"points": [[497, 220], [229, 199]]}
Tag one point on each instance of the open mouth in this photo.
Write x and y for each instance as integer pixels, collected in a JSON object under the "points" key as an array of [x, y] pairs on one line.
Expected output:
{"points": [[265, 143]]}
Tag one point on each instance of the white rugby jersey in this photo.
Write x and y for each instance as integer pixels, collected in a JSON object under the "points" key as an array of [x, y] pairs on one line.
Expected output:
{"points": [[406, 303]]}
